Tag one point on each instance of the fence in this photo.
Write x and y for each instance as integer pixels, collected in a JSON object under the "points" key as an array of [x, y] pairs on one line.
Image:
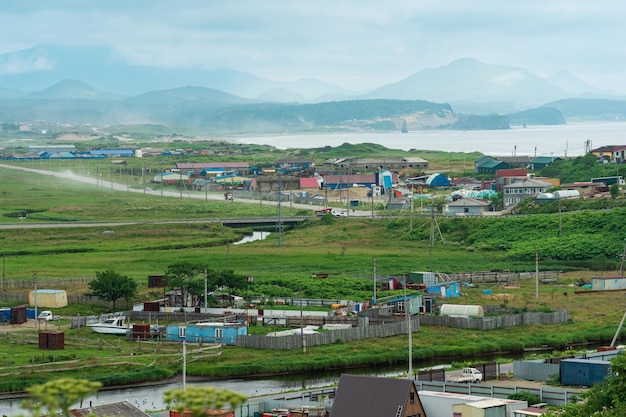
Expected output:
{"points": [[497, 322], [325, 338], [502, 276], [45, 282], [549, 395]]}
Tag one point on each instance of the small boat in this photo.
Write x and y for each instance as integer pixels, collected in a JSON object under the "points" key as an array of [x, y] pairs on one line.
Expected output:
{"points": [[112, 325]]}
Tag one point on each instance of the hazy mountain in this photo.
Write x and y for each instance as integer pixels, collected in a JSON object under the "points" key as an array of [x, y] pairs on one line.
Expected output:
{"points": [[71, 89], [280, 95], [39, 67], [569, 83], [469, 80], [189, 94], [9, 93]]}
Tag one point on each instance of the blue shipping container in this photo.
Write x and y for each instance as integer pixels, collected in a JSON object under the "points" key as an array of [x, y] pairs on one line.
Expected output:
{"points": [[5, 315], [583, 372]]}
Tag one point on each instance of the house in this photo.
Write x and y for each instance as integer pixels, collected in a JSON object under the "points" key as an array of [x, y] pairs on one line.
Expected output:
{"points": [[482, 160], [466, 183], [336, 182], [120, 409], [521, 161], [366, 396], [540, 162], [490, 167], [197, 167], [206, 332], [615, 154], [414, 303], [394, 164], [310, 184], [517, 191], [468, 207], [294, 165]]}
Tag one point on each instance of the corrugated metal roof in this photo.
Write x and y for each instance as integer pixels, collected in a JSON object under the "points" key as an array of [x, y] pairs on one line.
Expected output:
{"points": [[366, 396]]}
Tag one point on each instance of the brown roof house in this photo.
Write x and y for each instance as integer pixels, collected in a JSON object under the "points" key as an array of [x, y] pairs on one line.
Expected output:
{"points": [[367, 396]]}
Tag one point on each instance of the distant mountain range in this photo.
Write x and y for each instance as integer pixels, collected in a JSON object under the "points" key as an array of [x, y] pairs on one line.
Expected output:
{"points": [[88, 85]]}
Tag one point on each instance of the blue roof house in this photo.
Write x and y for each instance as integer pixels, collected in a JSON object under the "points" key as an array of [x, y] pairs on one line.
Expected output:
{"points": [[208, 332]]}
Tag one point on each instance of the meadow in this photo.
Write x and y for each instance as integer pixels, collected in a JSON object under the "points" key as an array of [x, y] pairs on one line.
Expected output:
{"points": [[343, 248]]}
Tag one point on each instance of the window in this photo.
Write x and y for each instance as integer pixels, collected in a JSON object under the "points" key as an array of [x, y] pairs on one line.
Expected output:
{"points": [[219, 333], [182, 332], [412, 398]]}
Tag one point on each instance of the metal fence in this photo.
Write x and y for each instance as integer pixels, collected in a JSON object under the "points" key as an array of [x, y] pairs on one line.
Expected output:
{"points": [[503, 276]]}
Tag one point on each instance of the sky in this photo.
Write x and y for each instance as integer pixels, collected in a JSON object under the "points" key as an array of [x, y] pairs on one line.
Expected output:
{"points": [[355, 44]]}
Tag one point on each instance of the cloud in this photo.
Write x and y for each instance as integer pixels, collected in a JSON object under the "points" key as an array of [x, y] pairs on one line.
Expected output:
{"points": [[18, 63], [357, 43]]}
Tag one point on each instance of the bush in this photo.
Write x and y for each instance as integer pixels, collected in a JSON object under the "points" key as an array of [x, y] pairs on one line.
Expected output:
{"points": [[529, 397]]}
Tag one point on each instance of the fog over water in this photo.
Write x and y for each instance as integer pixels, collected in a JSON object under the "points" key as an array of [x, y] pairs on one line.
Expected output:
{"points": [[555, 141]]}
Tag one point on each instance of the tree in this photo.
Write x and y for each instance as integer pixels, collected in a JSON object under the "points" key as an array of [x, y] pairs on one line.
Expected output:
{"points": [[614, 191], [111, 286], [185, 277], [198, 399], [46, 399]]}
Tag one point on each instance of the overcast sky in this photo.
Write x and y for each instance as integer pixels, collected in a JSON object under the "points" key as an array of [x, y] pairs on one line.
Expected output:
{"points": [[356, 44]]}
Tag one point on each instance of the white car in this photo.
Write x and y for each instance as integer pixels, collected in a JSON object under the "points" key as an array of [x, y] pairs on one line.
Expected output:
{"points": [[45, 315], [340, 213]]}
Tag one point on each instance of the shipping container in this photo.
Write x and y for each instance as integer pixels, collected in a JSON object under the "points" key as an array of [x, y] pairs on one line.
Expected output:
{"points": [[5, 315], [584, 372], [155, 281], [52, 340], [141, 331]]}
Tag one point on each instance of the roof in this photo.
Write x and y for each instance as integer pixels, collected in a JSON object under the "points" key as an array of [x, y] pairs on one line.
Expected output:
{"points": [[545, 159], [121, 409], [363, 396], [522, 159], [489, 403], [528, 183], [202, 165], [350, 179], [532, 411], [491, 164], [469, 202], [612, 148], [309, 183]]}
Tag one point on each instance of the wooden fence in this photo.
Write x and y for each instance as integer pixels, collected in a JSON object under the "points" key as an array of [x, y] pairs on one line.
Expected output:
{"points": [[496, 322], [328, 337]]}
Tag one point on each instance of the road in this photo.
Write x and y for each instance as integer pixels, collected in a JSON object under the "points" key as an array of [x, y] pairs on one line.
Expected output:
{"points": [[106, 185]]}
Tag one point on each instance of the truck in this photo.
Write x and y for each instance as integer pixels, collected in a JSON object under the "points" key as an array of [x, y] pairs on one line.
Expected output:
{"points": [[467, 375]]}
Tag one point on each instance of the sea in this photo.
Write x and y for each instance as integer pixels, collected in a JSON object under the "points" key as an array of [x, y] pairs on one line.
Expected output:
{"points": [[569, 140]]}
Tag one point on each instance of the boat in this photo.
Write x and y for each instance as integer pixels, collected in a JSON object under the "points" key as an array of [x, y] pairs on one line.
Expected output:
{"points": [[113, 325]]}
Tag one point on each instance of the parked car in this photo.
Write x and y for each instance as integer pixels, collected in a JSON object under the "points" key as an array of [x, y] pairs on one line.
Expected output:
{"points": [[340, 213], [45, 315], [468, 375]]}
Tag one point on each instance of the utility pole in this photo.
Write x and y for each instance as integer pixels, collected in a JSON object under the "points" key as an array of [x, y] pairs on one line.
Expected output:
{"points": [[36, 312], [374, 264], [408, 323], [302, 324]]}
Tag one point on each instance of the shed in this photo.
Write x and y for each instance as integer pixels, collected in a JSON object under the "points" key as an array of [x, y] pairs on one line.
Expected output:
{"points": [[48, 298], [426, 278], [584, 372], [608, 283], [461, 310], [444, 289], [439, 404], [437, 180], [484, 408]]}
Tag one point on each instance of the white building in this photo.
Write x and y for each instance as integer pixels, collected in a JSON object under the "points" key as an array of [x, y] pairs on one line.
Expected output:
{"points": [[514, 193]]}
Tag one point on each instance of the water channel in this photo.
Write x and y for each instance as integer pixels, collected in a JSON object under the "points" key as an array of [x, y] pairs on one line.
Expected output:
{"points": [[150, 398]]}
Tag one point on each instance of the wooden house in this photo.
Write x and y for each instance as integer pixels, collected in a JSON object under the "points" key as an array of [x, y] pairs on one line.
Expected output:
{"points": [[367, 396]]}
